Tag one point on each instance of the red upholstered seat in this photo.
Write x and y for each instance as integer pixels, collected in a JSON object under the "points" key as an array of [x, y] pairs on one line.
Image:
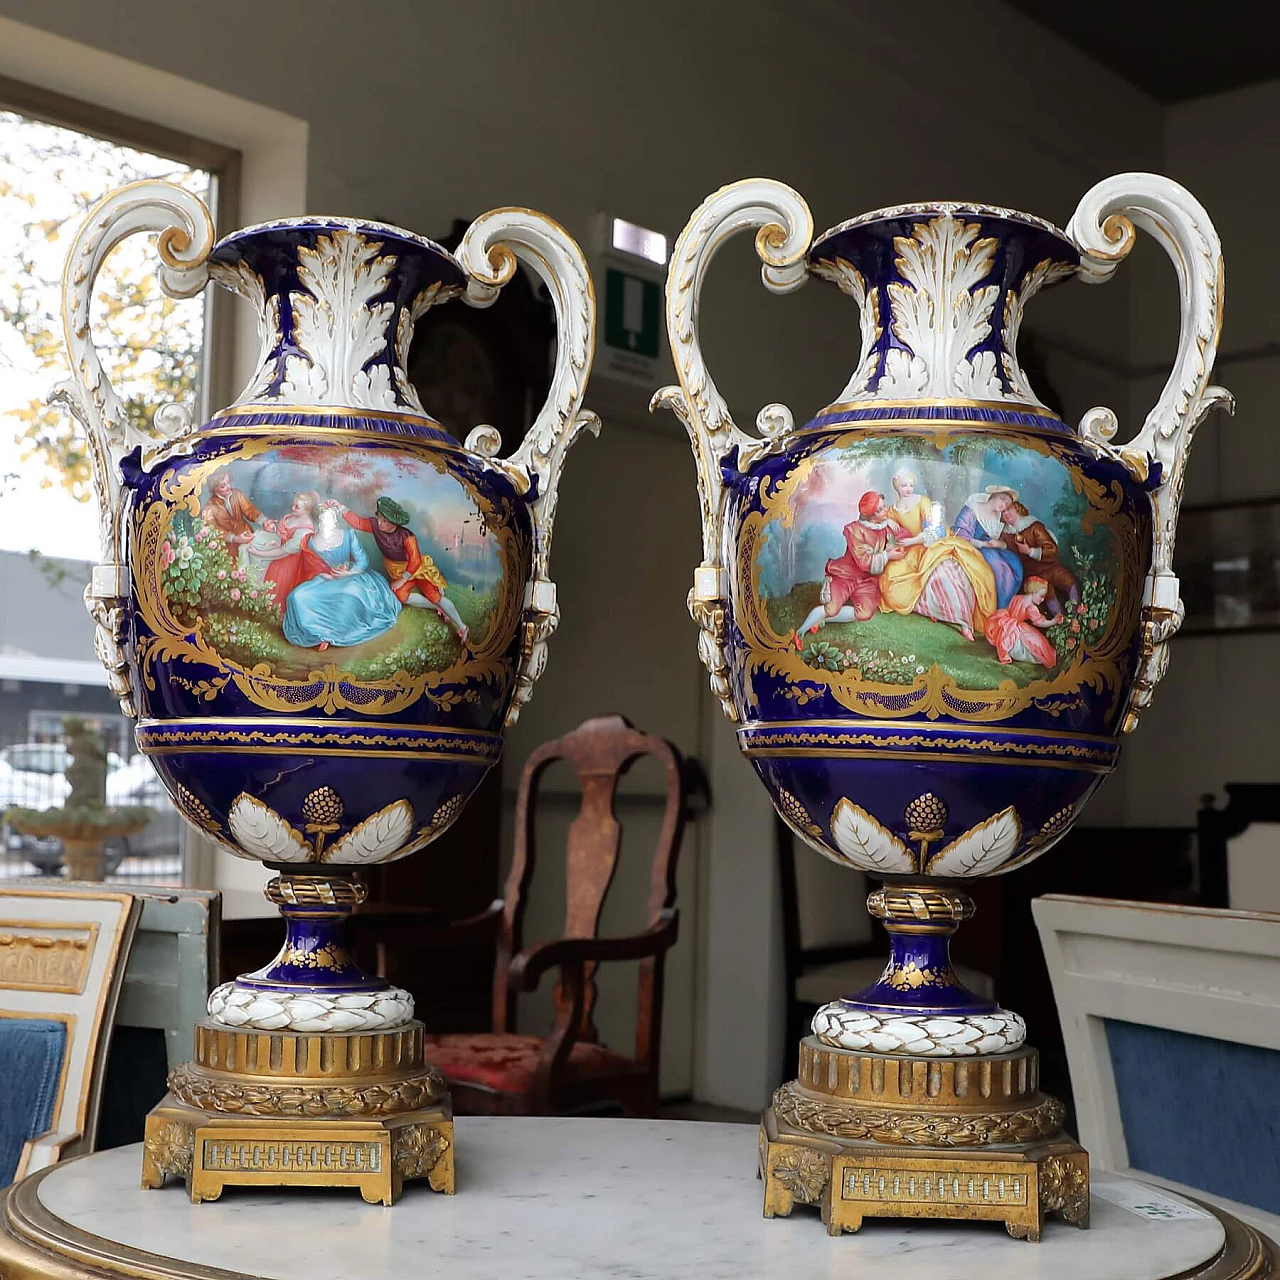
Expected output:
{"points": [[505, 1062]]}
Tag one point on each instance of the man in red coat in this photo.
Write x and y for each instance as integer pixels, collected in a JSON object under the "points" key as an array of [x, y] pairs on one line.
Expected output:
{"points": [[851, 588], [415, 580]]}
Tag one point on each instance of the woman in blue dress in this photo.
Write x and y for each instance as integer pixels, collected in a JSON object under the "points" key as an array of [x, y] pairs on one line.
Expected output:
{"points": [[981, 521], [347, 605]]}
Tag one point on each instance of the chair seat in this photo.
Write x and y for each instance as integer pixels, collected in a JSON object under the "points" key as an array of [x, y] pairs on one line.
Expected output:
{"points": [[829, 982], [506, 1062]]}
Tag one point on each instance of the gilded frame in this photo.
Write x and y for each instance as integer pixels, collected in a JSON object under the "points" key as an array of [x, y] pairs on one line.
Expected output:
{"points": [[179, 487], [935, 694]]}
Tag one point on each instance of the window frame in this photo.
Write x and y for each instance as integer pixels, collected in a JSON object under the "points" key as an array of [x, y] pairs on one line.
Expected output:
{"points": [[222, 162]]}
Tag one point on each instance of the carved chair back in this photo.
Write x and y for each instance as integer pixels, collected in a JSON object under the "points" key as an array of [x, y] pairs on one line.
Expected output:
{"points": [[601, 751]]}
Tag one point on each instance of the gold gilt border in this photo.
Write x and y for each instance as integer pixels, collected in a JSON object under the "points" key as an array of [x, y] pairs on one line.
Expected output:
{"points": [[934, 694], [925, 746], [427, 745], [179, 489]]}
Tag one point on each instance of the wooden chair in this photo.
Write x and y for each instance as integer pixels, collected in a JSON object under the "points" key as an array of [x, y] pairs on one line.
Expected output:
{"points": [[1171, 1017], [502, 1072], [1239, 848]]}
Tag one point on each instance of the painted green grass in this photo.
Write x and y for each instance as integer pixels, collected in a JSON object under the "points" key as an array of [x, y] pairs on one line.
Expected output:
{"points": [[891, 647], [420, 641]]}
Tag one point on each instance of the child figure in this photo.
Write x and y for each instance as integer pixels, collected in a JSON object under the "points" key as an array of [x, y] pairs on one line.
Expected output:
{"points": [[1014, 631]]}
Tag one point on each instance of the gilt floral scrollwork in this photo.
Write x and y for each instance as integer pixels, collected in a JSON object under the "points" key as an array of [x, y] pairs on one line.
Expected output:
{"points": [[417, 1150], [170, 1148], [1064, 1188], [801, 1171]]}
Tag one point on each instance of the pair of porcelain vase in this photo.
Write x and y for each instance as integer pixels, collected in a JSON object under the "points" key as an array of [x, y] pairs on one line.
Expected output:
{"points": [[931, 611]]}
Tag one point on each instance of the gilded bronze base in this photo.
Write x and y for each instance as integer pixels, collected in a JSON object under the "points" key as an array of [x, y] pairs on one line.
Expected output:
{"points": [[876, 1135], [318, 1109]]}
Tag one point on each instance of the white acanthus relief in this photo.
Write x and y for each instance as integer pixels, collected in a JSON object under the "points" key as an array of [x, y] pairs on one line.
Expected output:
{"points": [[784, 228], [1043, 273], [338, 326], [185, 239], [849, 280], [489, 252], [1103, 230], [241, 279], [940, 313]]}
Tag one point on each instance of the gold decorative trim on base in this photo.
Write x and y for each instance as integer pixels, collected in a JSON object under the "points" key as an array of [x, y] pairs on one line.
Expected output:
{"points": [[850, 1180], [377, 1155], [985, 1084], [801, 1110], [312, 1109]]}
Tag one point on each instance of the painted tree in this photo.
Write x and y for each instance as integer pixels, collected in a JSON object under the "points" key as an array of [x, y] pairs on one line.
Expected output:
{"points": [[50, 177]]}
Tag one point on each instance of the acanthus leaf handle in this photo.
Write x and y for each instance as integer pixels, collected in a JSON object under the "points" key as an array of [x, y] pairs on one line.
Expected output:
{"points": [[784, 229], [489, 252], [1103, 230], [185, 239]]}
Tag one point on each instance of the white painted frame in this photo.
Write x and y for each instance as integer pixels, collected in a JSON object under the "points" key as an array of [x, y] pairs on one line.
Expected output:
{"points": [[1205, 972], [107, 921]]}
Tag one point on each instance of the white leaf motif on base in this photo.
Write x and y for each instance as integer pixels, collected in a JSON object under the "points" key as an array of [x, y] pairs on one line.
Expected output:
{"points": [[867, 844], [263, 833], [376, 838], [981, 849]]}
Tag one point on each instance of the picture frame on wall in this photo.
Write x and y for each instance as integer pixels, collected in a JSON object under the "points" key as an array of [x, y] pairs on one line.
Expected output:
{"points": [[1227, 559]]}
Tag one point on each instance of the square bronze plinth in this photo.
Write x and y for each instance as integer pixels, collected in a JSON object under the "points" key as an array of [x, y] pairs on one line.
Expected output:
{"points": [[851, 1179], [377, 1154]]}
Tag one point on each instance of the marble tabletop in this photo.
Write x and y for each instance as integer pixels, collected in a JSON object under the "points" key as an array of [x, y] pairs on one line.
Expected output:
{"points": [[547, 1199]]}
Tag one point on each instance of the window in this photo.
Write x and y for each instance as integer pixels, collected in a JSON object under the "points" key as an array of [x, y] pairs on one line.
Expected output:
{"points": [[57, 159], [153, 347]]}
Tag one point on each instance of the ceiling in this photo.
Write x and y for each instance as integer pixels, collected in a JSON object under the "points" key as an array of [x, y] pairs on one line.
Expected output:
{"points": [[1175, 50]]}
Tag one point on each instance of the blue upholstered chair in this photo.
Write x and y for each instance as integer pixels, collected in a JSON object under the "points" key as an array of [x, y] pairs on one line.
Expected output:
{"points": [[32, 1051], [1171, 1019], [62, 957]]}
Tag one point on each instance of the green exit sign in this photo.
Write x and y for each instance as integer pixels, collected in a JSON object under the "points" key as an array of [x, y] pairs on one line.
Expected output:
{"points": [[632, 313]]}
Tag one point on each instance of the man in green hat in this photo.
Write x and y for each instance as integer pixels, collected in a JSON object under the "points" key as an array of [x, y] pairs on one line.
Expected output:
{"points": [[415, 580]]}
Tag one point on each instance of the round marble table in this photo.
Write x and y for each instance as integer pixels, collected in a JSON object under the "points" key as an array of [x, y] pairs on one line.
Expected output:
{"points": [[556, 1198]]}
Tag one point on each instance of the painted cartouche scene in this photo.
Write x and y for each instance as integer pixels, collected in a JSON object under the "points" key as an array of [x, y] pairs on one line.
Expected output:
{"points": [[376, 557], [891, 557]]}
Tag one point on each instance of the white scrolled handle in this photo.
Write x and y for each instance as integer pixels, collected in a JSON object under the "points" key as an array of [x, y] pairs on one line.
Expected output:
{"points": [[1103, 230], [488, 253], [186, 238], [784, 229]]}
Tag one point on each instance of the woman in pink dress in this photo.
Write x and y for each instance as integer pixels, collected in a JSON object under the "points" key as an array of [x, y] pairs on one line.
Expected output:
{"points": [[291, 561], [1015, 630]]}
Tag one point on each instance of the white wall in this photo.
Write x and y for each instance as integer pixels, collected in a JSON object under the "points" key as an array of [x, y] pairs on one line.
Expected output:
{"points": [[419, 113], [1214, 717]]}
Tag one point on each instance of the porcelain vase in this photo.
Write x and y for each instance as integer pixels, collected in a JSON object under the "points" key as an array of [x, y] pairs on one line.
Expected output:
{"points": [[933, 610], [321, 608]]}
